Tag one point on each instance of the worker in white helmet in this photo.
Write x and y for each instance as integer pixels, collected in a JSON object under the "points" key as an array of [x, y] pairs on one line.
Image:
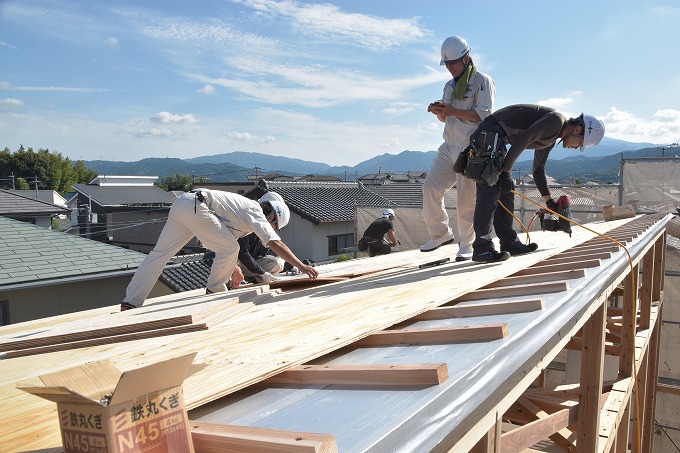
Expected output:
{"points": [[217, 219], [468, 99], [522, 126], [374, 236], [256, 260]]}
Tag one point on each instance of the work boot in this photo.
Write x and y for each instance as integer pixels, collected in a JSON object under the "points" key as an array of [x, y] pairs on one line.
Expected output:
{"points": [[434, 244], [490, 257], [464, 253], [126, 306], [517, 248]]}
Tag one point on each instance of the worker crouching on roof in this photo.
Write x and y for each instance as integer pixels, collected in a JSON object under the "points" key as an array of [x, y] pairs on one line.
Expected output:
{"points": [[374, 236], [217, 219], [523, 127]]}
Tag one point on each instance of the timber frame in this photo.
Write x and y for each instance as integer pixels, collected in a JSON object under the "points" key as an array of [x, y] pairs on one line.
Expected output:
{"points": [[385, 355]]}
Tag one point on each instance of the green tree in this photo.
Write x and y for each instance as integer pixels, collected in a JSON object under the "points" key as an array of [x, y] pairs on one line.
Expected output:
{"points": [[22, 184], [176, 182], [51, 170]]}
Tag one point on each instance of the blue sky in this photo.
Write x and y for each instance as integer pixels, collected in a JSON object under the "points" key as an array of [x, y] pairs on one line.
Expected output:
{"points": [[336, 82]]}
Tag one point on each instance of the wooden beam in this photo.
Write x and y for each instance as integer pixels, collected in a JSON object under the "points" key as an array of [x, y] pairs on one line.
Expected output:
{"points": [[362, 375], [557, 259], [628, 322], [666, 388], [510, 291], [104, 340], [538, 278], [541, 268], [465, 334], [214, 438], [592, 364], [481, 309]]}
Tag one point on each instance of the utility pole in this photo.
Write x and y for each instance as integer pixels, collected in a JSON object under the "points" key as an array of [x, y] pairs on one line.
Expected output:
{"points": [[35, 178]]}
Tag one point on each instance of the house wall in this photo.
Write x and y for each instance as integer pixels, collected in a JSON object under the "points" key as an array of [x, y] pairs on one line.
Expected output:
{"points": [[309, 241], [136, 230], [35, 303]]}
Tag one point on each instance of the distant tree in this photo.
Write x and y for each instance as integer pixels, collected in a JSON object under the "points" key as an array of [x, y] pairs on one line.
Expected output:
{"points": [[176, 182], [50, 170], [22, 184], [579, 182]]}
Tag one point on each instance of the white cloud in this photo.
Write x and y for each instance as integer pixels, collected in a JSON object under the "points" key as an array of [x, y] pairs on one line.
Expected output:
{"points": [[250, 139], [5, 85], [207, 89], [11, 102], [154, 132], [315, 86], [112, 41], [662, 128], [327, 20], [4, 44], [171, 118], [391, 143], [557, 103]]}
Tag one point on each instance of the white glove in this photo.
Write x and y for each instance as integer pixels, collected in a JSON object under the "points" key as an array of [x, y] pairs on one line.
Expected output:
{"points": [[267, 277], [294, 270]]}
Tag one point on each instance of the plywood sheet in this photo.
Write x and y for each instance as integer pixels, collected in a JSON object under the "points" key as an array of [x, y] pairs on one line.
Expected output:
{"points": [[286, 330]]}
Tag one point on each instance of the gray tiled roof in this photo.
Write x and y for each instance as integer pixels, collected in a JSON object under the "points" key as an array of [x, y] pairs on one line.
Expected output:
{"points": [[409, 194], [31, 254], [191, 272], [126, 195], [12, 203], [322, 201]]}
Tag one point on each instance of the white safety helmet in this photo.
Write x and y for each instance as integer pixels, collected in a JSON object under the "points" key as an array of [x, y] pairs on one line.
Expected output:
{"points": [[279, 206], [453, 48], [388, 212], [593, 131]]}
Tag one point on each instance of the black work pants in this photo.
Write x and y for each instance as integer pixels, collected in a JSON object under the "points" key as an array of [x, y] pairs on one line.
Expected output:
{"points": [[489, 213], [379, 248]]}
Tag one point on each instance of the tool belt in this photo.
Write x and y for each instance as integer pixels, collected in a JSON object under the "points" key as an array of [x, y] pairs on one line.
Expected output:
{"points": [[200, 195], [483, 159]]}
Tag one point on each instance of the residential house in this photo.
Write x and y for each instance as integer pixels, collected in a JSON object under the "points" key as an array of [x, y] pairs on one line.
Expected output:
{"points": [[47, 273], [323, 214], [28, 209], [128, 211]]}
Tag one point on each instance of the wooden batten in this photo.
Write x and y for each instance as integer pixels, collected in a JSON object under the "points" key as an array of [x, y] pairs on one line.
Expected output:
{"points": [[214, 438], [481, 309], [510, 291], [486, 332], [364, 375]]}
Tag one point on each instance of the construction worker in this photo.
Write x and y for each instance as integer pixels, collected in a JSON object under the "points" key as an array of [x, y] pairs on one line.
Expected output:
{"points": [[468, 98], [217, 219], [523, 127], [374, 236], [256, 261]]}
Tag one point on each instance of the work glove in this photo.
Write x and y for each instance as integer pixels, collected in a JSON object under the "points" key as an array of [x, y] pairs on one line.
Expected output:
{"points": [[505, 183], [294, 270], [552, 205], [267, 277]]}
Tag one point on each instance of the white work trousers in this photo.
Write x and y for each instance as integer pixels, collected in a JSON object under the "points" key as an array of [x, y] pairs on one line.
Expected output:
{"points": [[270, 263], [187, 218], [440, 179]]}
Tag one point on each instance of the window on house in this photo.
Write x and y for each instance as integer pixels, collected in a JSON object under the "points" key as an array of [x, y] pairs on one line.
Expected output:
{"points": [[338, 242], [4, 312]]}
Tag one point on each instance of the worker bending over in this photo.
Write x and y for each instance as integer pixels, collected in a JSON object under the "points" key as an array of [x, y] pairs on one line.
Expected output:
{"points": [[374, 236]]}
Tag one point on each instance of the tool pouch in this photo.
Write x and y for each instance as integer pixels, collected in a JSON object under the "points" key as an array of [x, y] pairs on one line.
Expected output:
{"points": [[484, 157], [361, 245]]}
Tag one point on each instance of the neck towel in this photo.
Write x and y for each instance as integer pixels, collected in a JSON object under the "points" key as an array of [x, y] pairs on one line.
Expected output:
{"points": [[463, 80]]}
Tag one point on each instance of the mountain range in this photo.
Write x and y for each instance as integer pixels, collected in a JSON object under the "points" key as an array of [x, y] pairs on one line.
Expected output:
{"points": [[600, 163]]}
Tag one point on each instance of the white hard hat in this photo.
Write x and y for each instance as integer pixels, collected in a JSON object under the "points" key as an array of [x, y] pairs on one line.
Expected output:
{"points": [[453, 48], [388, 212], [593, 131], [279, 206]]}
